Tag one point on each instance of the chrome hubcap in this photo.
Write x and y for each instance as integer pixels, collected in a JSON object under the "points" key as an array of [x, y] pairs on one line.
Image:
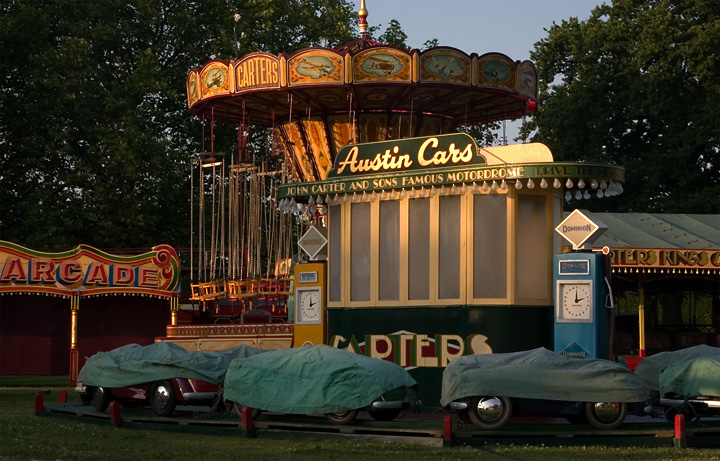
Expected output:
{"points": [[490, 408], [606, 412], [162, 396]]}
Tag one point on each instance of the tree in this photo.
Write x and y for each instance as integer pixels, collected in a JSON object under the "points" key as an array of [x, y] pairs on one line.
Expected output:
{"points": [[394, 35], [95, 135], [638, 85]]}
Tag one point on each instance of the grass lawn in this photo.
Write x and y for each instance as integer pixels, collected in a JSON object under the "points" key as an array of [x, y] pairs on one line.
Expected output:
{"points": [[24, 436]]}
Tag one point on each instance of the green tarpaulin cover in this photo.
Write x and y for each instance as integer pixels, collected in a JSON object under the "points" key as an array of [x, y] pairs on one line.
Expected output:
{"points": [[540, 374], [134, 364], [312, 380], [690, 372]]}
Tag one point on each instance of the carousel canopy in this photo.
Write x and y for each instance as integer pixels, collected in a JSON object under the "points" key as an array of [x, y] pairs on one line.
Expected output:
{"points": [[318, 100]]}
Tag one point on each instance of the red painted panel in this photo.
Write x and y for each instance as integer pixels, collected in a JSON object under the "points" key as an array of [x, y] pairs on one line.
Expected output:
{"points": [[26, 355]]}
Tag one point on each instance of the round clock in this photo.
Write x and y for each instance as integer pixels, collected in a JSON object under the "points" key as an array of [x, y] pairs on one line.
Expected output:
{"points": [[309, 305], [575, 302]]}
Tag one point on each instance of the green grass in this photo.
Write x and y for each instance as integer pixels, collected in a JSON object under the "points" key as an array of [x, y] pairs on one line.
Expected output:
{"points": [[24, 436]]}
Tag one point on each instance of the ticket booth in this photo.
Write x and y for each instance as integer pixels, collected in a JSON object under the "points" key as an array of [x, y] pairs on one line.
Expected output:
{"points": [[438, 248]]}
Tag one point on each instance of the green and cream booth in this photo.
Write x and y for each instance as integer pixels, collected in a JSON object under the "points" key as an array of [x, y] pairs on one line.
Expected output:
{"points": [[438, 248]]}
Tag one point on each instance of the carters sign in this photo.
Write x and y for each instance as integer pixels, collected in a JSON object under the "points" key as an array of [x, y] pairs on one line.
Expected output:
{"points": [[449, 150], [86, 271]]}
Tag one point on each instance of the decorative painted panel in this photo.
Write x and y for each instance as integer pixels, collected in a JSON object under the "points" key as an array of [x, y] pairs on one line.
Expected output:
{"points": [[445, 65], [497, 71], [382, 65], [316, 66]]}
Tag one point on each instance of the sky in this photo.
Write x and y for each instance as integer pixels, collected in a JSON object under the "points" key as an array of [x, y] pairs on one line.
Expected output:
{"points": [[511, 27]]}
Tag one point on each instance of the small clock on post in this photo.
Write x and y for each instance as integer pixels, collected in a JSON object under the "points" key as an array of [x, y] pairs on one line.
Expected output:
{"points": [[309, 305], [574, 301]]}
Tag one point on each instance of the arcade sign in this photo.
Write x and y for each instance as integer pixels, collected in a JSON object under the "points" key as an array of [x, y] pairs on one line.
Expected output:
{"points": [[86, 271]]}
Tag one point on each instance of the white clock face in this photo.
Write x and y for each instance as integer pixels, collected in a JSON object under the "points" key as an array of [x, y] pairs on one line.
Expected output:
{"points": [[309, 308], [575, 303]]}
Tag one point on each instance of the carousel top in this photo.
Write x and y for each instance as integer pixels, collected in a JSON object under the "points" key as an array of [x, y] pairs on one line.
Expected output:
{"points": [[319, 100], [365, 76]]}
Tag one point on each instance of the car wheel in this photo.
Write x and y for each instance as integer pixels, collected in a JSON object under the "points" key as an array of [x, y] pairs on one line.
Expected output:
{"points": [[256, 412], [605, 415], [385, 415], [162, 398], [100, 398], [490, 413], [344, 417]]}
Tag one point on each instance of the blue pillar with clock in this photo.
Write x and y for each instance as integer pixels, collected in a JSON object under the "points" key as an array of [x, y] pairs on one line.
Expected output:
{"points": [[582, 316], [583, 298]]}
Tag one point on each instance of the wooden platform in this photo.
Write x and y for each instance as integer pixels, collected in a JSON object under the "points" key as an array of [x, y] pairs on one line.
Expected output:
{"points": [[425, 428]]}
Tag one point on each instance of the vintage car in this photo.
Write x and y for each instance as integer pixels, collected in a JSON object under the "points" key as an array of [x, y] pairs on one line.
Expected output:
{"points": [[685, 382], [486, 390], [160, 375], [321, 379]]}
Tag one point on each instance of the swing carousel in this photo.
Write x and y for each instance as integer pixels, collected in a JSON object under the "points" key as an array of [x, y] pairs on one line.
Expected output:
{"points": [[311, 104]]}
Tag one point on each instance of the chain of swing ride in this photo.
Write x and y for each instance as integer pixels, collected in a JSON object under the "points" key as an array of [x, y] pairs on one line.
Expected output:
{"points": [[252, 214]]}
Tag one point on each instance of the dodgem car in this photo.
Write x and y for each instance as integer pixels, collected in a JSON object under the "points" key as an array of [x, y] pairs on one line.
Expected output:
{"points": [[685, 382], [321, 379], [487, 389], [160, 375]]}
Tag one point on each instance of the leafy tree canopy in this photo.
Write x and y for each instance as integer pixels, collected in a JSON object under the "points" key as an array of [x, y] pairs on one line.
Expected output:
{"points": [[95, 135], [637, 85]]}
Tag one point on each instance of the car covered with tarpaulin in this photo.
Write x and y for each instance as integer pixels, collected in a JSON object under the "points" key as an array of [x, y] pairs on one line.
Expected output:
{"points": [[686, 381], [484, 389], [320, 379], [161, 375]]}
